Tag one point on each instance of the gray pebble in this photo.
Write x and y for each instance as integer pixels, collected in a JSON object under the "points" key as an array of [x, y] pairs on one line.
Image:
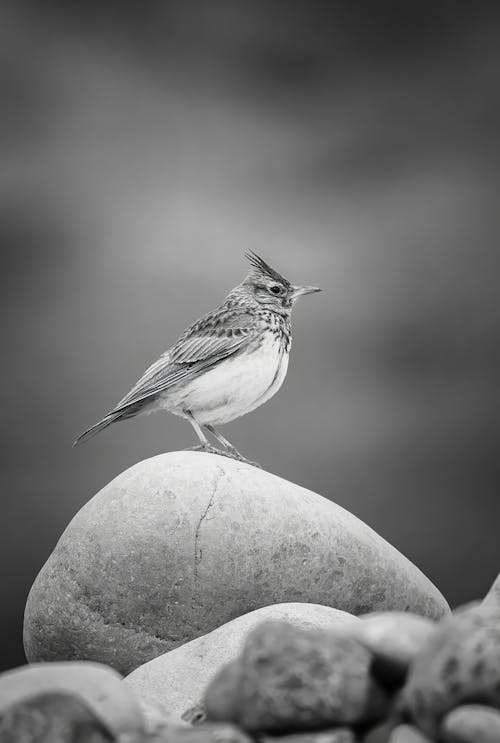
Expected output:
{"points": [[460, 663], [294, 679], [335, 735], [203, 733], [471, 723], [408, 734], [492, 598], [395, 638], [54, 717], [380, 733], [195, 715]]}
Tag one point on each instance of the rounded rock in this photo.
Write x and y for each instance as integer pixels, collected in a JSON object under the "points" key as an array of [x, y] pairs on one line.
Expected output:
{"points": [[407, 734], [492, 598], [54, 717], [181, 543], [395, 639], [381, 731], [292, 679], [334, 735], [471, 723], [207, 733], [100, 688], [460, 664], [175, 681]]}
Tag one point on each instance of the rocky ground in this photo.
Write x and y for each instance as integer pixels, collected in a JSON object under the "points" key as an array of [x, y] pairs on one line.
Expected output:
{"points": [[309, 667]]}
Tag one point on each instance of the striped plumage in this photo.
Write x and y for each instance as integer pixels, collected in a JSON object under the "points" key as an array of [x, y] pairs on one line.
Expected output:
{"points": [[226, 364]]}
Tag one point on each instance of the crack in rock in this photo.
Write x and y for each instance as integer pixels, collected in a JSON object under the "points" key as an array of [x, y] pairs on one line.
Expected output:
{"points": [[198, 553]]}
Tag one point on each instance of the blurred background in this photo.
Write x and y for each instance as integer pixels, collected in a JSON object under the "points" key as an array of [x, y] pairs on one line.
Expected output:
{"points": [[145, 146]]}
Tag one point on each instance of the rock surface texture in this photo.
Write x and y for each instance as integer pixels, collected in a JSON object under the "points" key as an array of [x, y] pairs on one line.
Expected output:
{"points": [[184, 542], [176, 681]]}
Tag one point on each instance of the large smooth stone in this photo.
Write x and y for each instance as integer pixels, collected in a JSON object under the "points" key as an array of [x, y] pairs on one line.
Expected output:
{"points": [[181, 543], [101, 690], [176, 681]]}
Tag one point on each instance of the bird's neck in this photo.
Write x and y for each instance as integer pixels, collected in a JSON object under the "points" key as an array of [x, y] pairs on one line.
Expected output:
{"points": [[278, 319], [278, 324]]}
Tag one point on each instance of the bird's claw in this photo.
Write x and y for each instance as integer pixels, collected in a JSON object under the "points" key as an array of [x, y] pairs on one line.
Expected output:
{"points": [[230, 453], [234, 454], [206, 449]]}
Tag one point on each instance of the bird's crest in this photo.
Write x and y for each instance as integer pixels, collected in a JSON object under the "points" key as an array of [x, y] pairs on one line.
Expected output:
{"points": [[261, 268]]}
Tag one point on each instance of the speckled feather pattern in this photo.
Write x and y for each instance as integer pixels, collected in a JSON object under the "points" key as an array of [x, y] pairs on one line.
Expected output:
{"points": [[224, 365], [242, 380]]}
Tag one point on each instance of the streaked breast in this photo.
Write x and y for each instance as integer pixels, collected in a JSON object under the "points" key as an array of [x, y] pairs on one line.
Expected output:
{"points": [[235, 386]]}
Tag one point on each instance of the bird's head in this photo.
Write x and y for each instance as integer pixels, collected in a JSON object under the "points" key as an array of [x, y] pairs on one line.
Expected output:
{"points": [[269, 288]]}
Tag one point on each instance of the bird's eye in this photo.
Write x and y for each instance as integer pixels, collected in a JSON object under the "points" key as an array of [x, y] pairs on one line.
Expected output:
{"points": [[276, 289]]}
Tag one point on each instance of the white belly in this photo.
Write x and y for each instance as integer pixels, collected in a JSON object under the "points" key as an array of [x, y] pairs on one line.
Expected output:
{"points": [[233, 387]]}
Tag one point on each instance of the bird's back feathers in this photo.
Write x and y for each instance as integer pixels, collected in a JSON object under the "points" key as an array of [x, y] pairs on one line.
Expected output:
{"points": [[229, 330], [214, 337]]}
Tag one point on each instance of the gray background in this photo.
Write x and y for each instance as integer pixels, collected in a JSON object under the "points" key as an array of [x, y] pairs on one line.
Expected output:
{"points": [[145, 146]]}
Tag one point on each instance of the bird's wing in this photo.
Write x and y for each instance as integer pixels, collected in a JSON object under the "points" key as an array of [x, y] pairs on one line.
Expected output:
{"points": [[214, 337], [220, 333]]}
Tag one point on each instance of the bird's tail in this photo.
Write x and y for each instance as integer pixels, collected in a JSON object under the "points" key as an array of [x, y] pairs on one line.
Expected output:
{"points": [[97, 427]]}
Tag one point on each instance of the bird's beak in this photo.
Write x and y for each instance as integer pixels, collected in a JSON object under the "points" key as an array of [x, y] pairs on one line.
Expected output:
{"points": [[299, 291]]}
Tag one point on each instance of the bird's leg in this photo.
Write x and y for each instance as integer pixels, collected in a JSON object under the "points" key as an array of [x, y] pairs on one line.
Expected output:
{"points": [[205, 444], [222, 440], [231, 451]]}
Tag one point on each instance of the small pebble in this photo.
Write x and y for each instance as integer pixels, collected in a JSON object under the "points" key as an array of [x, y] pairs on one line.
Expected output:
{"points": [[291, 679], [157, 719], [335, 735], [222, 702], [195, 715], [54, 717], [204, 733], [492, 598], [471, 723], [460, 664], [381, 732], [408, 734], [395, 638], [99, 688]]}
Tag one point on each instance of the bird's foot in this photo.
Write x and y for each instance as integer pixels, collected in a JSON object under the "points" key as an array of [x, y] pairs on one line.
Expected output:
{"points": [[206, 448], [230, 453], [233, 453]]}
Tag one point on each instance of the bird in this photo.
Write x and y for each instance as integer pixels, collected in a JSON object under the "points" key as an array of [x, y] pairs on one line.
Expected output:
{"points": [[224, 365]]}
